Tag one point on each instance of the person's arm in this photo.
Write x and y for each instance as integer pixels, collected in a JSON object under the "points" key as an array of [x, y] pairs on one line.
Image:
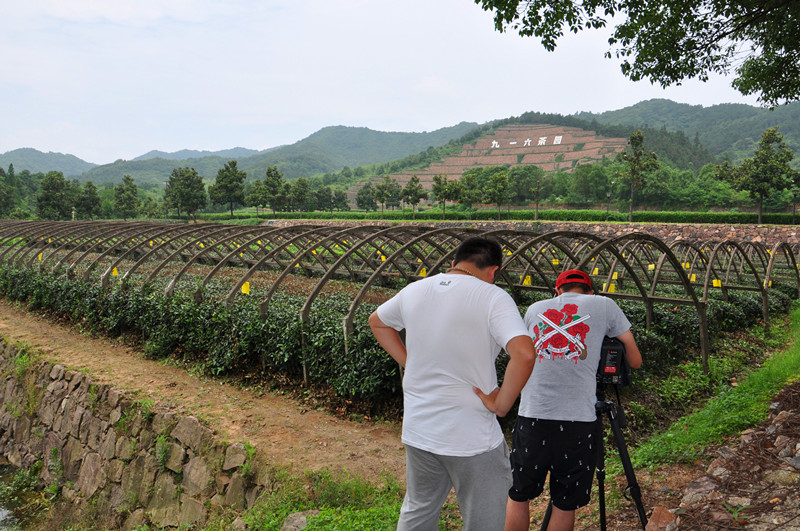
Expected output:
{"points": [[389, 339], [632, 354], [523, 356]]}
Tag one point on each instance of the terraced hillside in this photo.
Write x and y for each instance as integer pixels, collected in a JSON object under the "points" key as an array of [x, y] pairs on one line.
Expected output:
{"points": [[551, 147]]}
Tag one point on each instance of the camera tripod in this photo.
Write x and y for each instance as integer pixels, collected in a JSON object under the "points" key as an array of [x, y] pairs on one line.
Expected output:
{"points": [[616, 418]]}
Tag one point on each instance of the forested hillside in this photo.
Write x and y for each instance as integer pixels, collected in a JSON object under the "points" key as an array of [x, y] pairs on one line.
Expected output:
{"points": [[36, 161], [233, 153], [329, 149], [727, 128]]}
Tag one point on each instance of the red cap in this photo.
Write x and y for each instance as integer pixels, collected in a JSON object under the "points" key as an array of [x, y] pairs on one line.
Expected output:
{"points": [[573, 276]]}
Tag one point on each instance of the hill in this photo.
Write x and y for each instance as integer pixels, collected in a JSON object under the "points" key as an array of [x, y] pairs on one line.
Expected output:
{"points": [[233, 153], [36, 161], [730, 128], [329, 149]]}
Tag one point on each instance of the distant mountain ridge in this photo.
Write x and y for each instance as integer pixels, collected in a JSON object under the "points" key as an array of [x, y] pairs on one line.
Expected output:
{"points": [[734, 128], [37, 161], [233, 153], [727, 130]]}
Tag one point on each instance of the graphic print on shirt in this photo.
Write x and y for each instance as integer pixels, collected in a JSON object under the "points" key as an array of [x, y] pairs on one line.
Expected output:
{"points": [[561, 334]]}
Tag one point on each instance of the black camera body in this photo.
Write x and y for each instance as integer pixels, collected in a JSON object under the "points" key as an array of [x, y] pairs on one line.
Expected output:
{"points": [[613, 368]]}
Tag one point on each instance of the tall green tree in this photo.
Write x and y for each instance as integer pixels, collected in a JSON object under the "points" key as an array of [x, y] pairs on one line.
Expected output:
{"points": [[301, 194], [413, 193], [521, 182], [6, 195], [340, 202], [185, 191], [126, 198], [55, 197], [228, 186], [768, 171], [639, 163], [387, 192], [87, 204], [496, 190], [365, 197], [667, 41], [444, 191], [274, 189], [470, 191], [257, 195], [324, 197]]}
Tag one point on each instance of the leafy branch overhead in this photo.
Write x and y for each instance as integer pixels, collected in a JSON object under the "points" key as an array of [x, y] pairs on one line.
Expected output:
{"points": [[668, 41]]}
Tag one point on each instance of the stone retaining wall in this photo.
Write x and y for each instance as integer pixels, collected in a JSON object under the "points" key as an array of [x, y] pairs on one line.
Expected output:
{"points": [[99, 445], [768, 235]]}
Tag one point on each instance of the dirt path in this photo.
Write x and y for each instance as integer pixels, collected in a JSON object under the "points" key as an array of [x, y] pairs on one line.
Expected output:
{"points": [[281, 429]]}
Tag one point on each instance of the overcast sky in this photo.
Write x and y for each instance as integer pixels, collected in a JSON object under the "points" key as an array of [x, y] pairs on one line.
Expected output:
{"points": [[106, 80]]}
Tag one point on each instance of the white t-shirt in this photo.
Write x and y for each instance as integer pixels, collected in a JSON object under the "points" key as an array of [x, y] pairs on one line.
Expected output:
{"points": [[455, 327], [563, 384]]}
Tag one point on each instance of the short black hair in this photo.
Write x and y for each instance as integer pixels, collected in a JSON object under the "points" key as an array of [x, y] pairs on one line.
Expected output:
{"points": [[482, 252]]}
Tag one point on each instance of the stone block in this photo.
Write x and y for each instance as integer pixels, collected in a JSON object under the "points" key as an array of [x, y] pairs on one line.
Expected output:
{"points": [[108, 448], [235, 456], [113, 397], [197, 479], [115, 468], [138, 478], [175, 457], [193, 511], [92, 475], [235, 495], [57, 372], [162, 422], [72, 457], [191, 433], [164, 508]]}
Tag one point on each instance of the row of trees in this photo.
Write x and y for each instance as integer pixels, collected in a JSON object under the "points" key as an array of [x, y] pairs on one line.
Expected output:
{"points": [[636, 177]]}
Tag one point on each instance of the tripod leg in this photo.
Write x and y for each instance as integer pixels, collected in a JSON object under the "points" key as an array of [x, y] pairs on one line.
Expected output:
{"points": [[633, 485], [546, 517], [600, 473]]}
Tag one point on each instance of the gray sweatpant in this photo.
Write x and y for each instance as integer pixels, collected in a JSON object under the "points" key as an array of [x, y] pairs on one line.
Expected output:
{"points": [[481, 483]]}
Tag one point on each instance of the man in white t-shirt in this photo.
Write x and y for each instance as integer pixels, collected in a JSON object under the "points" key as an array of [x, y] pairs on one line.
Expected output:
{"points": [[456, 323]]}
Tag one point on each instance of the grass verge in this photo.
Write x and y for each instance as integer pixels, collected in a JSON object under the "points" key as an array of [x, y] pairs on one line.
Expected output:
{"points": [[732, 411]]}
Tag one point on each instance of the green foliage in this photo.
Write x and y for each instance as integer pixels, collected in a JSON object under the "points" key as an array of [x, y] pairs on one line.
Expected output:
{"points": [[661, 43], [126, 199], [345, 502], [228, 186], [731, 411], [185, 191], [161, 450]]}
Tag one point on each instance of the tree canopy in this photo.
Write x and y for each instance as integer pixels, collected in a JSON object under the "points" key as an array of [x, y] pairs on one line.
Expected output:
{"points": [[667, 41], [767, 171], [228, 186], [185, 191]]}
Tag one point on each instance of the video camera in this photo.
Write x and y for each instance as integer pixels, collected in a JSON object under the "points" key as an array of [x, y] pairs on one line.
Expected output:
{"points": [[613, 368]]}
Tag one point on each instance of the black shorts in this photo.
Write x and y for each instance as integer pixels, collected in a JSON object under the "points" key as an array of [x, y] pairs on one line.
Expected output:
{"points": [[566, 449]]}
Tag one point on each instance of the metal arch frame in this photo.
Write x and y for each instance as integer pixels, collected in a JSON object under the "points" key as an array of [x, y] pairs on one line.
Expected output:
{"points": [[168, 291], [759, 283], [181, 247], [649, 300], [101, 230], [31, 243], [553, 238], [77, 237], [181, 229], [264, 304], [347, 322], [791, 262], [15, 235], [134, 230], [192, 260], [307, 230]]}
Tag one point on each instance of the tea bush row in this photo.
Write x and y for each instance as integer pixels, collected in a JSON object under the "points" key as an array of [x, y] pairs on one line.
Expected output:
{"points": [[236, 341]]}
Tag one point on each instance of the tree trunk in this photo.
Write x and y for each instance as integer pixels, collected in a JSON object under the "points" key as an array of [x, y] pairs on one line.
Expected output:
{"points": [[760, 207]]}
